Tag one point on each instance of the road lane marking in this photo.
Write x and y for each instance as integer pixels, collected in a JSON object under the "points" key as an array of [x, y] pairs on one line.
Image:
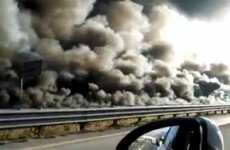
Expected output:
{"points": [[73, 141]]}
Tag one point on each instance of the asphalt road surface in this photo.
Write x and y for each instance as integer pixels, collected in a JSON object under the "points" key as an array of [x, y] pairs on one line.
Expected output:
{"points": [[98, 141], [226, 134], [90, 141]]}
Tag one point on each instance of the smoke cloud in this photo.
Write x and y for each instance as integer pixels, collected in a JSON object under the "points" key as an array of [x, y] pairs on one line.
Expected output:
{"points": [[57, 18], [11, 35], [99, 53], [204, 8]]}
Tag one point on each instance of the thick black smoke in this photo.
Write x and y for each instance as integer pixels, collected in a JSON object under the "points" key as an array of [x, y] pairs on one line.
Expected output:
{"points": [[96, 53], [201, 8], [193, 8], [162, 52]]}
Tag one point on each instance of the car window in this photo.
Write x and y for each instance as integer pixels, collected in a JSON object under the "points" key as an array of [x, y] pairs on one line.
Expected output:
{"points": [[170, 136]]}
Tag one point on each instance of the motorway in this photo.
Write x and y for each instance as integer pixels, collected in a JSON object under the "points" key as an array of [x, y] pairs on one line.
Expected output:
{"points": [[99, 140]]}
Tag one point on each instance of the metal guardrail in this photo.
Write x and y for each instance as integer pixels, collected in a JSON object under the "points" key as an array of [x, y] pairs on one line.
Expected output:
{"points": [[31, 118]]}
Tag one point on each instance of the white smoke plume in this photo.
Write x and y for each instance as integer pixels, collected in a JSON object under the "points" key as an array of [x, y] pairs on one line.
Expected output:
{"points": [[132, 62], [161, 68], [127, 19], [12, 36], [126, 15], [110, 53], [160, 51], [58, 17], [183, 88]]}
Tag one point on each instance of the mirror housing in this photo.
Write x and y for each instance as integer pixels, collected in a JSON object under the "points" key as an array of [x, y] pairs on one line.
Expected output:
{"points": [[201, 126]]}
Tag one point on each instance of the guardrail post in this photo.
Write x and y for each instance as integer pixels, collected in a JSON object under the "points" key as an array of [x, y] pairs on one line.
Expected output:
{"points": [[187, 114], [174, 115], [39, 131], [115, 123], [82, 126], [159, 117], [222, 111], [139, 119], [228, 111]]}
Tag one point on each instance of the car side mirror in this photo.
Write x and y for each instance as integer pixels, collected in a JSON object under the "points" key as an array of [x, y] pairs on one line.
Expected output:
{"points": [[175, 133]]}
